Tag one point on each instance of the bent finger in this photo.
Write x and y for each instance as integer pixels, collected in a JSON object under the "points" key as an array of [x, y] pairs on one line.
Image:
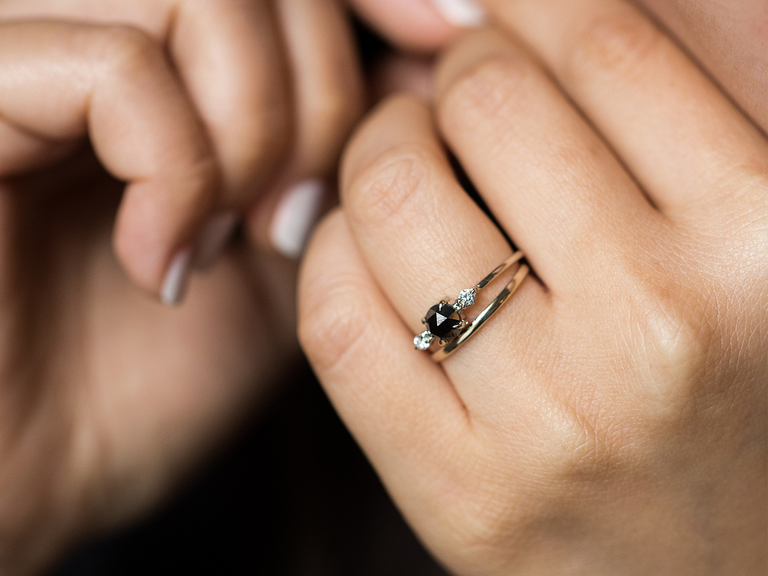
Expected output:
{"points": [[115, 85], [425, 240], [328, 100], [678, 134], [231, 57], [398, 404], [411, 24]]}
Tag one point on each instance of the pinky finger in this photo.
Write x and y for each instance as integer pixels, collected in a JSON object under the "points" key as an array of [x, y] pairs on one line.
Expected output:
{"points": [[61, 82], [328, 100], [398, 404]]}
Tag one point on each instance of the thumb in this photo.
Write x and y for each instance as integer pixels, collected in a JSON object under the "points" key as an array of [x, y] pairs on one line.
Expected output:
{"points": [[420, 25]]}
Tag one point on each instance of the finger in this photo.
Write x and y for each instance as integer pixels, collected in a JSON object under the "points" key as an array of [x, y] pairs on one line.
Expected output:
{"points": [[679, 135], [328, 99], [115, 85], [424, 240], [398, 404], [411, 24], [229, 54], [728, 43], [231, 58], [400, 73], [565, 200]]}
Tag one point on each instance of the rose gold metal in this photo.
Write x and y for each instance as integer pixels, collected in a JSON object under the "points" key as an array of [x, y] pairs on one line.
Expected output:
{"points": [[471, 329]]}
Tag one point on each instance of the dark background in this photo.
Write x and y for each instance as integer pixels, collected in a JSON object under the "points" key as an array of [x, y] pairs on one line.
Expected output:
{"points": [[293, 496]]}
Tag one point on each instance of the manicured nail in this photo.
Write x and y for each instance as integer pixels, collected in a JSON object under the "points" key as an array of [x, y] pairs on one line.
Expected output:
{"points": [[296, 216], [461, 13], [176, 279], [214, 237]]}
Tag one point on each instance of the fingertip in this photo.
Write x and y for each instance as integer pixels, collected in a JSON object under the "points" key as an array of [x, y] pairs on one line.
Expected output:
{"points": [[461, 13], [214, 237], [415, 25], [296, 216], [176, 279], [160, 229], [232, 58], [285, 219]]}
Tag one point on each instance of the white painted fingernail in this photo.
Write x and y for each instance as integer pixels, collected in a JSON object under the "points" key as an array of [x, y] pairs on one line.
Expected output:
{"points": [[214, 237], [461, 13], [296, 216], [176, 279]]}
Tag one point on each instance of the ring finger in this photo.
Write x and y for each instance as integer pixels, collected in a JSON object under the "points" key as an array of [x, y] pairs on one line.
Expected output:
{"points": [[551, 181], [425, 239]]}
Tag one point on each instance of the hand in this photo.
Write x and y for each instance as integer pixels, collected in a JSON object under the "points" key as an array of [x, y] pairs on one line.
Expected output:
{"points": [[260, 118], [727, 37], [107, 398], [610, 419]]}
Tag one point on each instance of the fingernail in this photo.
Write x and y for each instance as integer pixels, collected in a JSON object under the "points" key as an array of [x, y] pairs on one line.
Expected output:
{"points": [[214, 237], [176, 279], [461, 13], [296, 216]]}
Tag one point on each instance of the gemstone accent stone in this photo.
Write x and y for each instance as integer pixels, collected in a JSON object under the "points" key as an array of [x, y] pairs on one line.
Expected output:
{"points": [[466, 299], [443, 321], [423, 340]]}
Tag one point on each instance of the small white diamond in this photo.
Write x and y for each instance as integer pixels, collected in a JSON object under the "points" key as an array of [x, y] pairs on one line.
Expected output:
{"points": [[423, 340], [466, 299]]}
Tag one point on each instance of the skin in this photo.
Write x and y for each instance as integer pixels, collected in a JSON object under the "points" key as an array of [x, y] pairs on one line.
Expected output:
{"points": [[123, 127], [730, 40], [610, 419], [108, 392], [727, 38], [273, 86]]}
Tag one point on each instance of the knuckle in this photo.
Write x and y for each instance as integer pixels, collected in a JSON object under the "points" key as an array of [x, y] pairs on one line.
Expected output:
{"points": [[331, 328], [330, 118], [672, 335], [620, 40], [380, 193], [736, 190], [332, 112], [264, 139], [487, 89]]}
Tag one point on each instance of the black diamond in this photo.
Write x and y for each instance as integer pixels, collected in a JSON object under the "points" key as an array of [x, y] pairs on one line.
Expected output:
{"points": [[443, 321]]}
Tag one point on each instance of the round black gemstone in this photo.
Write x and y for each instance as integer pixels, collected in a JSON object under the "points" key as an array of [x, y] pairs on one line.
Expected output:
{"points": [[443, 321]]}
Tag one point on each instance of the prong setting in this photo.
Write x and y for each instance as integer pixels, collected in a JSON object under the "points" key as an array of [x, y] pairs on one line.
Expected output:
{"points": [[466, 299], [444, 322], [424, 340]]}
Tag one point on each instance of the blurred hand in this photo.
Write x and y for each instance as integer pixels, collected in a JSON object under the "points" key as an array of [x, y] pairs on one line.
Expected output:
{"points": [[610, 419], [211, 112]]}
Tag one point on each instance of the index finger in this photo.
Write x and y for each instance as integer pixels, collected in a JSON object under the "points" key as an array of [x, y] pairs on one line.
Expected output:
{"points": [[230, 58], [60, 82]]}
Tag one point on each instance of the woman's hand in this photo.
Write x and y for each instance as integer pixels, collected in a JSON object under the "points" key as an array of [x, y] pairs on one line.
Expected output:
{"points": [[210, 111], [728, 38], [610, 419], [266, 92]]}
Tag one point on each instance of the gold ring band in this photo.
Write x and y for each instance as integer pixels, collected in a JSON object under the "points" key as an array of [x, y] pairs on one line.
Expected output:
{"points": [[444, 321]]}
